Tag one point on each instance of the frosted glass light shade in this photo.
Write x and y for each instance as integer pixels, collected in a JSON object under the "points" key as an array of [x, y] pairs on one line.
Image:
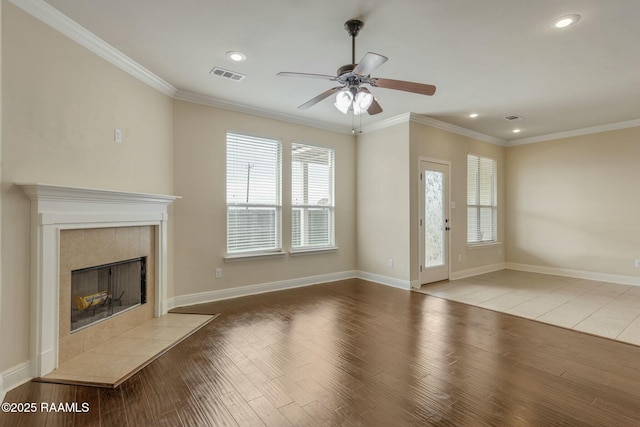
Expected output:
{"points": [[362, 102], [344, 98]]}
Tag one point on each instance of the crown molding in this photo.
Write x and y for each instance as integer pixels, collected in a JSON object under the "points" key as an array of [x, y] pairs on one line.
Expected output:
{"points": [[62, 23], [386, 123], [212, 101], [577, 132], [428, 121]]}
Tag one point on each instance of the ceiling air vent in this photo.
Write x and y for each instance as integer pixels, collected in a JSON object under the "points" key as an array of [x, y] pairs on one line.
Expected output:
{"points": [[231, 75], [513, 117]]}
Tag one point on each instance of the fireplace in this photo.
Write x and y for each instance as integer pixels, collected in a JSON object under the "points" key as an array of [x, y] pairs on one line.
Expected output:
{"points": [[102, 291], [104, 226]]}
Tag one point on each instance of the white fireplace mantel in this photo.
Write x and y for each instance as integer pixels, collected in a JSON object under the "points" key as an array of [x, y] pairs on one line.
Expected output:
{"points": [[55, 208]]}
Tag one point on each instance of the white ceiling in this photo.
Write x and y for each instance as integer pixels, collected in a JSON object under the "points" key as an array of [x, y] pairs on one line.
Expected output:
{"points": [[494, 57]]}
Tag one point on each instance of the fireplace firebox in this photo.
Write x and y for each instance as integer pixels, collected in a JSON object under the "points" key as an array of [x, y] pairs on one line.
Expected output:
{"points": [[106, 290]]}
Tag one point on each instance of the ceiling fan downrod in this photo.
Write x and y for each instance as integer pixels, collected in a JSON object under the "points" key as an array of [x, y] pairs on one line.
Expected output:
{"points": [[353, 27]]}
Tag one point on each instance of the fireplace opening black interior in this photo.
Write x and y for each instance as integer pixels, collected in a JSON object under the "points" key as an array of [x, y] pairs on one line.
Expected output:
{"points": [[105, 290]]}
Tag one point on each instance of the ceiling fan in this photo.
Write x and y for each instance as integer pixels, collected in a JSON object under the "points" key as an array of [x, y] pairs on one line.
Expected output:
{"points": [[351, 95]]}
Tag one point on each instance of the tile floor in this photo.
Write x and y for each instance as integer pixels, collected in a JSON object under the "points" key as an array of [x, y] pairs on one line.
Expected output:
{"points": [[118, 358], [605, 309]]}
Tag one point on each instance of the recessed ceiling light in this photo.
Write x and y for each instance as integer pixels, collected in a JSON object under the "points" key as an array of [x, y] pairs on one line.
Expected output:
{"points": [[564, 22], [473, 115], [516, 131], [236, 56]]}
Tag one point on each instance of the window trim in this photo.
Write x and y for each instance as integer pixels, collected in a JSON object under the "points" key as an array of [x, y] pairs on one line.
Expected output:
{"points": [[313, 250], [248, 256]]}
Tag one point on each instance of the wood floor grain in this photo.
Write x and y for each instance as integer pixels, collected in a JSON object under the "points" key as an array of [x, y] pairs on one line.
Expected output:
{"points": [[354, 353]]}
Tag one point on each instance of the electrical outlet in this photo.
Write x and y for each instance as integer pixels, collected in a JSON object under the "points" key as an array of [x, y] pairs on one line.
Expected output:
{"points": [[218, 273], [117, 135], [459, 257], [637, 263], [390, 263]]}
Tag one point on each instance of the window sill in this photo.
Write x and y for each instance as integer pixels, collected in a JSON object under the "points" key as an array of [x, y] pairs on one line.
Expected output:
{"points": [[313, 251], [483, 245], [253, 256]]}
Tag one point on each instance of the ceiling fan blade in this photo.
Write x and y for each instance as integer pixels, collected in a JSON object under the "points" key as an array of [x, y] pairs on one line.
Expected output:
{"points": [[307, 75], [420, 88], [369, 62], [374, 108], [310, 103]]}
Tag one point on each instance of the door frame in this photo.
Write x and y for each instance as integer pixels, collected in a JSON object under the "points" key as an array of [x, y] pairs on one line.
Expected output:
{"points": [[419, 216]]}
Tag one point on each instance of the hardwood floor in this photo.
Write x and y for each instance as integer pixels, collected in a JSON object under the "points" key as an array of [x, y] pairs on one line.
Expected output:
{"points": [[355, 353]]}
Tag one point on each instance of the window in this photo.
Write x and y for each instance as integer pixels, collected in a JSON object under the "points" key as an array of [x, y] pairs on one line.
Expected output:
{"points": [[312, 215], [254, 202], [482, 205]]}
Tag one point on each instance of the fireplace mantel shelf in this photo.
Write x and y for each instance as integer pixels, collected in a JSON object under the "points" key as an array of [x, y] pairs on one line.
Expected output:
{"points": [[51, 192], [55, 208]]}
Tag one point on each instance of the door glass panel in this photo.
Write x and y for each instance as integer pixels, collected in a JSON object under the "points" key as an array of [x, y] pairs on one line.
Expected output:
{"points": [[434, 219]]}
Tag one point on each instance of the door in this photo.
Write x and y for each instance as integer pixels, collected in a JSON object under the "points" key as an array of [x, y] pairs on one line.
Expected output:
{"points": [[434, 221]]}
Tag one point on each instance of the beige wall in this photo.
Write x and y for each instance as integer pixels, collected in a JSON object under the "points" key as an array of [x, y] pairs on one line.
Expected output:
{"points": [[200, 227], [61, 104], [383, 202], [433, 143], [573, 203], [388, 198]]}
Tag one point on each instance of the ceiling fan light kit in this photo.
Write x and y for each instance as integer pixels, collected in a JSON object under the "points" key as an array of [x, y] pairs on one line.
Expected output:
{"points": [[351, 95], [353, 99]]}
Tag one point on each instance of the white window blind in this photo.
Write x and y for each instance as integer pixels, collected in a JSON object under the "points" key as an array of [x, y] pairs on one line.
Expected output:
{"points": [[254, 202], [312, 198], [482, 205]]}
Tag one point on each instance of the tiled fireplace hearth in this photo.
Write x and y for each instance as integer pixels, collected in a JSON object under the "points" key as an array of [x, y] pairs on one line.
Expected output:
{"points": [[75, 228]]}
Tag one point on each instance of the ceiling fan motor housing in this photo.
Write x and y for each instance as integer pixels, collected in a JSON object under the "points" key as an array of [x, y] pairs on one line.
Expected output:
{"points": [[345, 69]]}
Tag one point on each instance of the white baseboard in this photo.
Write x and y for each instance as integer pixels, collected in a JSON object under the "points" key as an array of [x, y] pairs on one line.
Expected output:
{"points": [[243, 291], [384, 280], [462, 274], [578, 274], [14, 377]]}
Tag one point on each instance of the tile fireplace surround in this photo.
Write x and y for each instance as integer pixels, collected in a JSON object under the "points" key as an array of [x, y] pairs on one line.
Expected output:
{"points": [[56, 209], [94, 246]]}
